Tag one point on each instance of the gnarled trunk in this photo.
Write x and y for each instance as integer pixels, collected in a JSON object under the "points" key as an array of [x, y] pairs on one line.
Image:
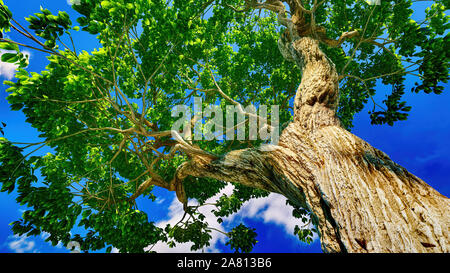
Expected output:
{"points": [[363, 201], [360, 200]]}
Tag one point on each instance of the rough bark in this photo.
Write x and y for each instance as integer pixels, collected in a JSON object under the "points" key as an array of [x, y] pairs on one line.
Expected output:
{"points": [[364, 201], [360, 199]]}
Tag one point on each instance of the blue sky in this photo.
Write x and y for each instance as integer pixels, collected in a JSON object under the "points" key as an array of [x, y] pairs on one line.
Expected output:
{"points": [[420, 144]]}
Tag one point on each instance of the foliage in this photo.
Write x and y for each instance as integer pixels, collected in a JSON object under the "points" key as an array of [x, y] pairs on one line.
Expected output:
{"points": [[2, 127], [196, 232], [92, 107], [242, 239]]}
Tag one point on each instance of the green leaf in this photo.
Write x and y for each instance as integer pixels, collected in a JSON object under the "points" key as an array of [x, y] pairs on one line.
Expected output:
{"points": [[9, 57], [9, 46]]}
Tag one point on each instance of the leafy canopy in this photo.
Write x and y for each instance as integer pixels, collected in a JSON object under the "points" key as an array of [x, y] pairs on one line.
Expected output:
{"points": [[94, 108]]}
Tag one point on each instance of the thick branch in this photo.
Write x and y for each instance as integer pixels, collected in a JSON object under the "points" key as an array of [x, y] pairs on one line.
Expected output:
{"points": [[250, 167], [335, 43]]}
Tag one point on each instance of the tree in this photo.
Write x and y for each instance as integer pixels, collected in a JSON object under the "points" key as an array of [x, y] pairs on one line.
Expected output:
{"points": [[107, 115]]}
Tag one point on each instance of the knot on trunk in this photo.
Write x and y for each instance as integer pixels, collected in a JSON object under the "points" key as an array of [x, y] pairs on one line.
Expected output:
{"points": [[317, 97]]}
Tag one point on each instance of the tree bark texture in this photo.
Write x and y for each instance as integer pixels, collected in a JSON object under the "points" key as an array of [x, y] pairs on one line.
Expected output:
{"points": [[360, 200]]}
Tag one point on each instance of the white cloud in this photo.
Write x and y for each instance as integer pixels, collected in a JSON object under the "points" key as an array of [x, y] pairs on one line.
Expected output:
{"points": [[115, 250], [71, 2], [175, 214], [8, 70], [159, 201], [21, 244], [271, 209], [45, 235]]}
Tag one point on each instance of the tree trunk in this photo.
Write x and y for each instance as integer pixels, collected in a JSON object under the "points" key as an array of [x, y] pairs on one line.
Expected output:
{"points": [[361, 201]]}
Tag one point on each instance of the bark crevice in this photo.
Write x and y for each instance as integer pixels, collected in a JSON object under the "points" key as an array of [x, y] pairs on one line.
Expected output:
{"points": [[329, 217]]}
